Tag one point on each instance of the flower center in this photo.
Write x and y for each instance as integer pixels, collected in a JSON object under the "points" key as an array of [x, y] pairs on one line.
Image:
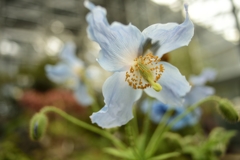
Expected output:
{"points": [[145, 72], [77, 70]]}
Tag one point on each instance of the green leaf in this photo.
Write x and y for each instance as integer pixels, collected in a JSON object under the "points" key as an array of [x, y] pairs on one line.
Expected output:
{"points": [[211, 147], [127, 154], [166, 156]]}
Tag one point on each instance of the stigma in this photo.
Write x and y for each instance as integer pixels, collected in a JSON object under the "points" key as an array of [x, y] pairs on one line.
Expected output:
{"points": [[145, 72]]}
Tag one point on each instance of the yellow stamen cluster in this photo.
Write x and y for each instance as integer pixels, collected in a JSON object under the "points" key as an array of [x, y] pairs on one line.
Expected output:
{"points": [[145, 72]]}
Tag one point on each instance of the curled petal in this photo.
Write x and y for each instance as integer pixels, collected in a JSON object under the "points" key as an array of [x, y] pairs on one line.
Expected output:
{"points": [[119, 99], [59, 73], [171, 35], [89, 5], [82, 96], [174, 86], [197, 94], [96, 20], [120, 44]]}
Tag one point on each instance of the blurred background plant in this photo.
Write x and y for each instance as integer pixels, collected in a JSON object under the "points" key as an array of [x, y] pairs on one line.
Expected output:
{"points": [[33, 34]]}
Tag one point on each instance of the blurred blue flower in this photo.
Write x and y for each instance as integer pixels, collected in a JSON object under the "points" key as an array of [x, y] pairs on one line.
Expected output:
{"points": [[199, 90], [71, 73], [158, 109], [134, 57]]}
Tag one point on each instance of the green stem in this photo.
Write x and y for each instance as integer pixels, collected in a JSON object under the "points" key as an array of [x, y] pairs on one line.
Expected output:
{"points": [[166, 156], [135, 122], [131, 139], [175, 120], [84, 125], [146, 125], [154, 141], [192, 108]]}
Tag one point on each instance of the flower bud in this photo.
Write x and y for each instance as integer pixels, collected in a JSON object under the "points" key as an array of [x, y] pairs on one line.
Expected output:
{"points": [[228, 111], [38, 125]]}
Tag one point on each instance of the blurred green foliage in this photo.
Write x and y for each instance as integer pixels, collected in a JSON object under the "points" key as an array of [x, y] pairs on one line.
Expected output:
{"points": [[9, 151], [197, 146], [63, 140]]}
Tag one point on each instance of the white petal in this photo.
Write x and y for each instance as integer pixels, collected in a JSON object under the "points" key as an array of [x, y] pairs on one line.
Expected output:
{"points": [[208, 74], [120, 44], [68, 55], [174, 86], [89, 5], [119, 99], [82, 96], [198, 93], [171, 35], [59, 73]]}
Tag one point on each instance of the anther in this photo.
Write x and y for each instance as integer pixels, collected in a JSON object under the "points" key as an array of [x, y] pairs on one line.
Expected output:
{"points": [[145, 73]]}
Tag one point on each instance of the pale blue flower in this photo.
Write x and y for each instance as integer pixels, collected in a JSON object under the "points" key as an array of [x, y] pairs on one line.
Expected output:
{"points": [[158, 109], [70, 72], [199, 90], [134, 57]]}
